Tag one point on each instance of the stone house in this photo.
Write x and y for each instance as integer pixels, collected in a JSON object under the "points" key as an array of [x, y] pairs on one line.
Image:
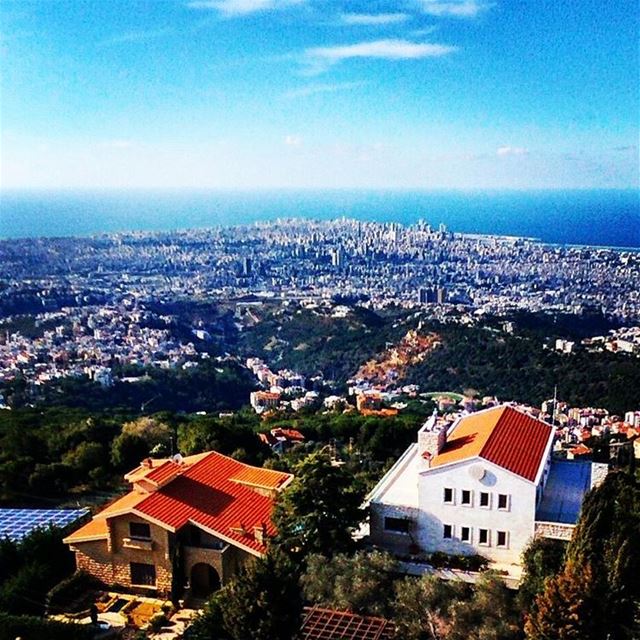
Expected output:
{"points": [[185, 528]]}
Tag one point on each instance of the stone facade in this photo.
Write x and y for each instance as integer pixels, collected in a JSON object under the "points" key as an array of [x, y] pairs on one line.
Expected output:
{"points": [[110, 560], [554, 530]]}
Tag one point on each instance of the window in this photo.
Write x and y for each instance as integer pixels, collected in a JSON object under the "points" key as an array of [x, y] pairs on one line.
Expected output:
{"points": [[466, 497], [143, 574], [448, 495], [397, 525], [447, 532], [503, 501], [483, 537], [465, 534], [485, 499], [139, 530], [502, 539]]}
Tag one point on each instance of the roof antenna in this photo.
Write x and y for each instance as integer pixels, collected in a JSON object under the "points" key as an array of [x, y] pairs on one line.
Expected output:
{"points": [[555, 405]]}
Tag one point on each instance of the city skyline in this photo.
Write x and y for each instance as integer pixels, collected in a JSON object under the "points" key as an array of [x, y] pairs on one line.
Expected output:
{"points": [[301, 93]]}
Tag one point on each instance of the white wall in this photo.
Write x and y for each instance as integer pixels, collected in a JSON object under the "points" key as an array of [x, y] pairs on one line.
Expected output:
{"points": [[518, 520]]}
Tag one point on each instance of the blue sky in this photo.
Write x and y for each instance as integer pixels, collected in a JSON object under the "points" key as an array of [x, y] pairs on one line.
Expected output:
{"points": [[319, 93]]}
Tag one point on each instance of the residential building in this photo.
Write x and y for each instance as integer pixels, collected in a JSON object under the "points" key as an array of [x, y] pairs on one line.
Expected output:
{"points": [[185, 528], [487, 484]]}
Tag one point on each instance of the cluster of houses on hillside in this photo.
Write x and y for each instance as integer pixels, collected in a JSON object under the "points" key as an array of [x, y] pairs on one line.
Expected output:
{"points": [[485, 483]]}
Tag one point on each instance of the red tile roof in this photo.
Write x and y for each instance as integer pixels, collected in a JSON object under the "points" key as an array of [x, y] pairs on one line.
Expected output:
{"points": [[207, 489], [502, 435], [165, 472], [207, 494]]}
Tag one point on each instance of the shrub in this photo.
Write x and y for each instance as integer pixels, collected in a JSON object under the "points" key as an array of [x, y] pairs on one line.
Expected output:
{"points": [[73, 594], [32, 628]]}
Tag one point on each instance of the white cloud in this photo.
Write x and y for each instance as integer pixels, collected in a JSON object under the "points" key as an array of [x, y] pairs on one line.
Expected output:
{"points": [[455, 8], [313, 89], [511, 151], [374, 18], [241, 7], [319, 58], [292, 140]]}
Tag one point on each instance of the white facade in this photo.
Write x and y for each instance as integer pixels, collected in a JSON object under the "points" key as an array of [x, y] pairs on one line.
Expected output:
{"points": [[464, 507], [461, 514]]}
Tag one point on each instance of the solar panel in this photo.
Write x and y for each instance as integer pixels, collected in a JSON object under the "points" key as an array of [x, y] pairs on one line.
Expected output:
{"points": [[15, 524]]}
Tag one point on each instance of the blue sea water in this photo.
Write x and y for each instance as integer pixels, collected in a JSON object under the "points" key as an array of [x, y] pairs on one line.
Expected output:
{"points": [[590, 217]]}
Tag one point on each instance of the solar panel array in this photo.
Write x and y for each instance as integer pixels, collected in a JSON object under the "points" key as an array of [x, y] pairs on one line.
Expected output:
{"points": [[15, 524]]}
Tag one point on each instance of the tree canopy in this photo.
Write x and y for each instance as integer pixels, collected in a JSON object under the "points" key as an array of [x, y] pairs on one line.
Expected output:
{"points": [[319, 510]]}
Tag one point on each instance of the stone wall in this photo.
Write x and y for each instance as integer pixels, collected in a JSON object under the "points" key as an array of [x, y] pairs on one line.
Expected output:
{"points": [[555, 530]]}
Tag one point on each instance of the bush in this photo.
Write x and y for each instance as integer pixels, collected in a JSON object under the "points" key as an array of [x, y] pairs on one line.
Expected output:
{"points": [[73, 594], [32, 628], [158, 621]]}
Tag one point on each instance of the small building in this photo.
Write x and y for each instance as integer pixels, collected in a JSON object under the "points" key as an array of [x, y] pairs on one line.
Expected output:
{"points": [[185, 528], [485, 485]]}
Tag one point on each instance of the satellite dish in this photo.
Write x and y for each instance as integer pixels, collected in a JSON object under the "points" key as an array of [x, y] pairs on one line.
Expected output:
{"points": [[178, 459], [477, 472]]}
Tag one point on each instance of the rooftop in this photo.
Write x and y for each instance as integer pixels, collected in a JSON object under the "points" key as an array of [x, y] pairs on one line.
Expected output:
{"points": [[212, 492], [502, 435]]}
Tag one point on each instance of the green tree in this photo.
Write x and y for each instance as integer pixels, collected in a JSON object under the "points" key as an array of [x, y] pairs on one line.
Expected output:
{"points": [[150, 429], [605, 539], [423, 607], [127, 450], [542, 559], [263, 602], [490, 614], [320, 509], [362, 583]]}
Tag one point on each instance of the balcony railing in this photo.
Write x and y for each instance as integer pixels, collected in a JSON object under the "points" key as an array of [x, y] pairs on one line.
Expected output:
{"points": [[144, 544]]}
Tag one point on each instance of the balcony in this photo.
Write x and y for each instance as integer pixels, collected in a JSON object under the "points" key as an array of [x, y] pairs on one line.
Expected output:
{"points": [[142, 544]]}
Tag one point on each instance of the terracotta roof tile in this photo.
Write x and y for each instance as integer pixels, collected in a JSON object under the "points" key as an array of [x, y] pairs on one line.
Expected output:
{"points": [[165, 472], [502, 435], [209, 491], [265, 478], [207, 495], [92, 530]]}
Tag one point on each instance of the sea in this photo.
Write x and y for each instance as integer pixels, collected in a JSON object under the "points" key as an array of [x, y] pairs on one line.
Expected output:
{"points": [[579, 217]]}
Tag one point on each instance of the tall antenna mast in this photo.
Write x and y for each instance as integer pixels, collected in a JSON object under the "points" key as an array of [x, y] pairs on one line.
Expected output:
{"points": [[555, 405]]}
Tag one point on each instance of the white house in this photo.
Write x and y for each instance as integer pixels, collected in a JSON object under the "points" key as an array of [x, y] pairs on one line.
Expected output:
{"points": [[486, 485]]}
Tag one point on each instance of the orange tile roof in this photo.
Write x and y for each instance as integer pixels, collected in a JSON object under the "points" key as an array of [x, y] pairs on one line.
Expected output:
{"points": [[123, 504], [92, 530], [257, 477], [502, 435]]}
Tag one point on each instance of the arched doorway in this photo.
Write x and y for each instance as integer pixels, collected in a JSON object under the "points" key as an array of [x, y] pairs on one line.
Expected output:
{"points": [[204, 580]]}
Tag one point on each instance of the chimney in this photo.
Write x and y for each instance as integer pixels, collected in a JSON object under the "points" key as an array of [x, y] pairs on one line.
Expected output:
{"points": [[260, 533], [431, 438]]}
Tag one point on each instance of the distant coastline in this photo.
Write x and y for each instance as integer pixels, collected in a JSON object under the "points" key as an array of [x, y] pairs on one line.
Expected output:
{"points": [[594, 218]]}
